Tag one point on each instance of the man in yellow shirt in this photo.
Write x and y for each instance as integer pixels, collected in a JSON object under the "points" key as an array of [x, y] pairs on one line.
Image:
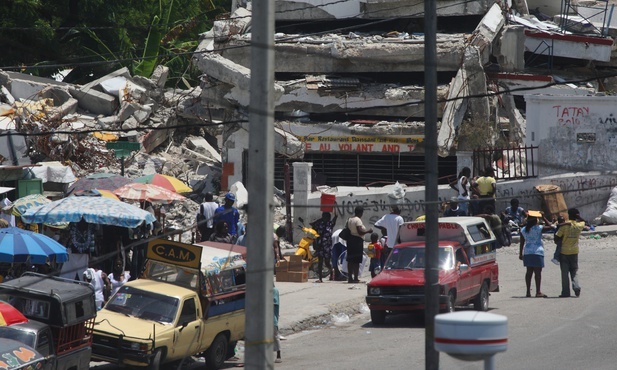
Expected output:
{"points": [[487, 189], [568, 259]]}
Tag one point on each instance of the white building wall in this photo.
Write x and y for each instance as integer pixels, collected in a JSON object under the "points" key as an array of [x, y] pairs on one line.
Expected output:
{"points": [[574, 133], [589, 192]]}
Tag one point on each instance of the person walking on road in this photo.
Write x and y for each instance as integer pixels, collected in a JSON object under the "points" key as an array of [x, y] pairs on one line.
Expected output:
{"points": [[389, 225], [531, 251], [205, 217], [568, 258], [355, 244], [277, 337], [323, 244]]}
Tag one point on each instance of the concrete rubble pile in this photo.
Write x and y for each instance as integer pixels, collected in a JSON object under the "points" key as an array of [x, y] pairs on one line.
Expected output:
{"points": [[119, 106], [116, 106]]}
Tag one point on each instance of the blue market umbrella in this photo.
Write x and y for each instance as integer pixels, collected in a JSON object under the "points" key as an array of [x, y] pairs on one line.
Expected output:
{"points": [[93, 210], [18, 245]]}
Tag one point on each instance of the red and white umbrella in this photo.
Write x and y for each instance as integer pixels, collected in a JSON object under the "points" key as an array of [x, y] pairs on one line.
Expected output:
{"points": [[147, 192]]}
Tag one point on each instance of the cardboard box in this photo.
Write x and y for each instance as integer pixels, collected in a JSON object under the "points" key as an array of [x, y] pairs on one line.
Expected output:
{"points": [[298, 277], [282, 276], [293, 277], [295, 263], [282, 265]]}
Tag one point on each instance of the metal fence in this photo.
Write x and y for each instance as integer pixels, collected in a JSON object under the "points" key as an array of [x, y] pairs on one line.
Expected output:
{"points": [[508, 163]]}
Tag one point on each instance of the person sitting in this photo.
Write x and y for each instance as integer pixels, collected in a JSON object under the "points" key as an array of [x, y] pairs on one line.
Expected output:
{"points": [[221, 233], [514, 214], [496, 225], [454, 210]]}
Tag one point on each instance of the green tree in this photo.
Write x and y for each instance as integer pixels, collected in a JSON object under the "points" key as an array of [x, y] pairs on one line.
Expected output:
{"points": [[94, 37]]}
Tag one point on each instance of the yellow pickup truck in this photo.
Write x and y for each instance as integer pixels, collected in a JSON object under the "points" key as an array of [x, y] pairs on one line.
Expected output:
{"points": [[189, 301]]}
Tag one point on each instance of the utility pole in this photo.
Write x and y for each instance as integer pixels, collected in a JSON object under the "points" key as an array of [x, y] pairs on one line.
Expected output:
{"points": [[431, 273], [259, 323]]}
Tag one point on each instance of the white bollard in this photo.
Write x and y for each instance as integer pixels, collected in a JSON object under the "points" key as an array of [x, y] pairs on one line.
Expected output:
{"points": [[472, 336]]}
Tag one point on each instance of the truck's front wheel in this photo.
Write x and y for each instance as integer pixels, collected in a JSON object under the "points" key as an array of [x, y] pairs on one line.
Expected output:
{"points": [[155, 364], [217, 353]]}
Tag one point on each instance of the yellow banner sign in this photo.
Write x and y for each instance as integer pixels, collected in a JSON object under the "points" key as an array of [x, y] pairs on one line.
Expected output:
{"points": [[187, 255], [373, 144]]}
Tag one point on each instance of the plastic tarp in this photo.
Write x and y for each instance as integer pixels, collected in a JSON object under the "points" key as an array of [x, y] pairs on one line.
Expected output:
{"points": [[610, 214], [54, 172]]}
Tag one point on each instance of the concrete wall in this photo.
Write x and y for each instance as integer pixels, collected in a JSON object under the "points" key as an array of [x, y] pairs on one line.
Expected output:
{"points": [[589, 192], [574, 133], [323, 9]]}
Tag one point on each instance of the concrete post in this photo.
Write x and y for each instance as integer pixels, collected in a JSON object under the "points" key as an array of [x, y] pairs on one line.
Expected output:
{"points": [[463, 159], [302, 189]]}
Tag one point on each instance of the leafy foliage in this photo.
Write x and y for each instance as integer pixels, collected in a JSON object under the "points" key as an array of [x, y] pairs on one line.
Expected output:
{"points": [[95, 37]]}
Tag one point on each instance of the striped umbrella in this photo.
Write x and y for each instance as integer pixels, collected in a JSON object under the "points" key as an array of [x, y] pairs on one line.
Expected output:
{"points": [[167, 182], [149, 192], [18, 245], [9, 315]]}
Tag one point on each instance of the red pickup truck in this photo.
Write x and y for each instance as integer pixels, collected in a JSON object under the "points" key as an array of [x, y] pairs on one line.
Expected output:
{"points": [[468, 269]]}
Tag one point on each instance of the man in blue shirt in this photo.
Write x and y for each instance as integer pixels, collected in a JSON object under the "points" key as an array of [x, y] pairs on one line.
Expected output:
{"points": [[514, 213], [228, 213]]}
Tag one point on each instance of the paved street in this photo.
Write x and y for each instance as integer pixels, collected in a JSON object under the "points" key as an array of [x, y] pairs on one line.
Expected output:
{"points": [[332, 320], [549, 333]]}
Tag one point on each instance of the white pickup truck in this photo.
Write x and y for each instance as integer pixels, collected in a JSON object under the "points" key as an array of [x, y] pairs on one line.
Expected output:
{"points": [[189, 301]]}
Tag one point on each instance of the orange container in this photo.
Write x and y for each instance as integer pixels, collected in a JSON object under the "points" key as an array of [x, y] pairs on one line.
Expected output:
{"points": [[327, 202]]}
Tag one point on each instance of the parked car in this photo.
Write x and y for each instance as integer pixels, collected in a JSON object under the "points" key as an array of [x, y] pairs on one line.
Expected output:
{"points": [[468, 269], [16, 355], [60, 316], [189, 301]]}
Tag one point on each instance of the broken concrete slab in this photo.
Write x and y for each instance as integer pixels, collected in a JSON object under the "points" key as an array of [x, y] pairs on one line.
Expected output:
{"points": [[201, 146], [486, 32], [387, 100], [225, 70], [510, 48], [142, 114], [27, 87], [454, 111], [123, 72], [94, 101], [159, 76], [64, 103], [479, 103], [331, 54]]}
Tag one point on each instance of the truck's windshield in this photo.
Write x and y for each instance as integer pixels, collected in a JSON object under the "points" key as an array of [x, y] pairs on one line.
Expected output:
{"points": [[22, 336], [144, 305], [414, 258]]}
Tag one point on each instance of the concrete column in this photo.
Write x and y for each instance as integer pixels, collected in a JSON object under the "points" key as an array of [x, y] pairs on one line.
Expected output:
{"points": [[463, 159], [511, 45], [302, 189]]}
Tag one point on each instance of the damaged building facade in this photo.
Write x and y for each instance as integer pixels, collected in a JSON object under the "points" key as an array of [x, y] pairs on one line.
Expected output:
{"points": [[349, 92]]}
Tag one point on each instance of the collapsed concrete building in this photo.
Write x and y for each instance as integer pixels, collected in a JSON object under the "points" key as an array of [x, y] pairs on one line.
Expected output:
{"points": [[349, 84]]}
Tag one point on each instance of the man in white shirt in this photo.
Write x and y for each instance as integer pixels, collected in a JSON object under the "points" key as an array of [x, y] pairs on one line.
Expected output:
{"points": [[205, 217], [389, 225]]}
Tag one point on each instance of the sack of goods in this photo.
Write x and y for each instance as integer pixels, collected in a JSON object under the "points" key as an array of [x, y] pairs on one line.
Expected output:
{"points": [[371, 250]]}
